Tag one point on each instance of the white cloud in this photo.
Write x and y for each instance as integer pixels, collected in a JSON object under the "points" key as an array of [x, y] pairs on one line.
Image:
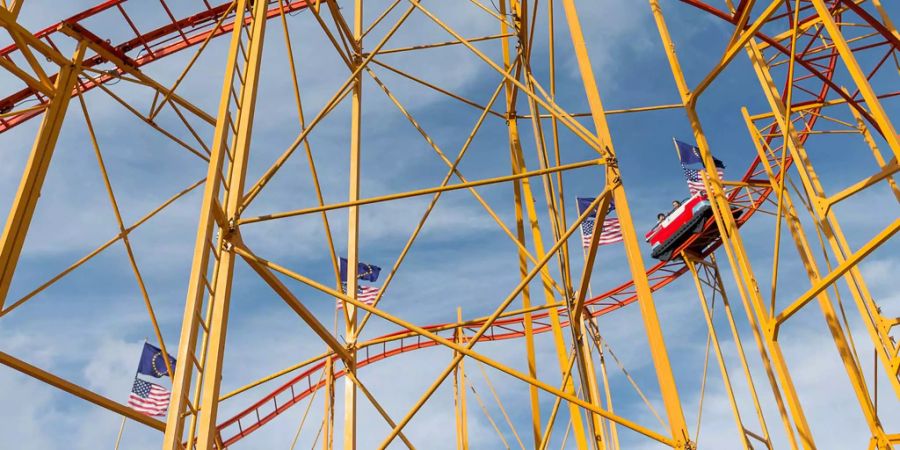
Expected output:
{"points": [[88, 328]]}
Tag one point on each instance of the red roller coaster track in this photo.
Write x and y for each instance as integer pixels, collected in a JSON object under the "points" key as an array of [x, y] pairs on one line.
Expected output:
{"points": [[817, 60]]}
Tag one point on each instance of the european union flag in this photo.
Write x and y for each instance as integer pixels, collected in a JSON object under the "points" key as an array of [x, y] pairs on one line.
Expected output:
{"points": [[152, 362], [366, 272], [690, 154]]}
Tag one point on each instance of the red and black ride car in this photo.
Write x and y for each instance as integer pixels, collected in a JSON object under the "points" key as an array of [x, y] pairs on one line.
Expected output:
{"points": [[680, 224]]}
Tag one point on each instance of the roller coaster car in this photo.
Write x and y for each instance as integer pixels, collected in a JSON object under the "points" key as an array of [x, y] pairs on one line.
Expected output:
{"points": [[680, 224]]}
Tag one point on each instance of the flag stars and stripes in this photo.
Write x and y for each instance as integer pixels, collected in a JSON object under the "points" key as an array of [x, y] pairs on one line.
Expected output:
{"points": [[694, 182], [365, 294], [149, 398], [610, 232]]}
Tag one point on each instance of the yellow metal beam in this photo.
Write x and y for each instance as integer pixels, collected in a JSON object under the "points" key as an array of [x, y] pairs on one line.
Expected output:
{"points": [[612, 112], [838, 271], [328, 420], [839, 334], [723, 369], [425, 191], [459, 392], [80, 392], [217, 321], [19, 219], [350, 311], [202, 415], [658, 352], [299, 308]]}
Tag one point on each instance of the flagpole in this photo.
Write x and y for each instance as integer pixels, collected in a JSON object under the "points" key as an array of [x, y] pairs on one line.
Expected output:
{"points": [[122, 426], [677, 153], [121, 430]]}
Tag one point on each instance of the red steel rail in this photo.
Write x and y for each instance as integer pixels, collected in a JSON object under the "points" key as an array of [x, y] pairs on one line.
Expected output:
{"points": [[145, 47]]}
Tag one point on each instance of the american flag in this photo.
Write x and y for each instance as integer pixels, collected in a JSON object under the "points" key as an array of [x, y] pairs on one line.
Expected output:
{"points": [[609, 234], [611, 231], [694, 182], [365, 294], [149, 398]]}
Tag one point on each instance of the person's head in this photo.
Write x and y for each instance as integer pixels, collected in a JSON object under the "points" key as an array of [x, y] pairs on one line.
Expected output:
{"points": [[676, 203], [660, 217]]}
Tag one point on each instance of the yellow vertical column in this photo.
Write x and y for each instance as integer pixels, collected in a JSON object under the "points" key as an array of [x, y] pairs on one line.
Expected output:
{"points": [[590, 379], [25, 202], [526, 199], [218, 321], [459, 391], [353, 231], [518, 186], [586, 359], [328, 420], [236, 150], [527, 322], [659, 354]]}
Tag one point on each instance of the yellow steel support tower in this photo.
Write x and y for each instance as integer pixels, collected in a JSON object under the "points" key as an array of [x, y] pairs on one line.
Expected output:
{"points": [[876, 324], [737, 255], [223, 194]]}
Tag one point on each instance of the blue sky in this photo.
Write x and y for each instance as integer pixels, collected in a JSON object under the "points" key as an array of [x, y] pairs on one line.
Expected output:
{"points": [[89, 326]]}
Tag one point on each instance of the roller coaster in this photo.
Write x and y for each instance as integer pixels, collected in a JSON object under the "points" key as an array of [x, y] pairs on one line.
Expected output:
{"points": [[825, 69]]}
